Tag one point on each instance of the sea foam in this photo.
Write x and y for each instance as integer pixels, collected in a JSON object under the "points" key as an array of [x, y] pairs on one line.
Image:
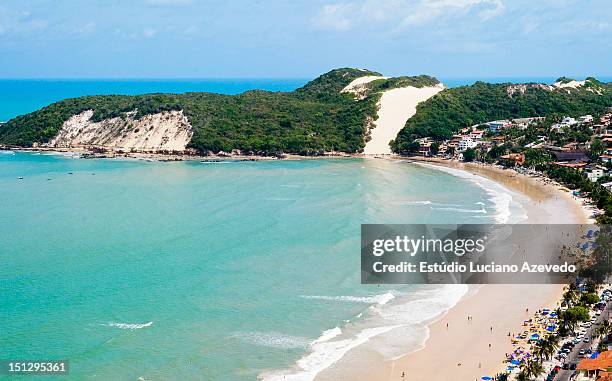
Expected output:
{"points": [[273, 340], [409, 313], [380, 299], [500, 196], [129, 325]]}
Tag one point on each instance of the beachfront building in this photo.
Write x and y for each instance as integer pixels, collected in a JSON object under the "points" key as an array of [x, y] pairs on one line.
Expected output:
{"points": [[516, 158], [594, 173], [570, 156], [424, 146], [598, 368], [467, 143]]}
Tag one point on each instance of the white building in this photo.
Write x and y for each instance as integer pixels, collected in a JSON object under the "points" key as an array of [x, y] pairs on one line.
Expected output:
{"points": [[558, 128], [466, 143], [586, 119], [595, 173], [498, 125], [569, 121], [476, 135]]}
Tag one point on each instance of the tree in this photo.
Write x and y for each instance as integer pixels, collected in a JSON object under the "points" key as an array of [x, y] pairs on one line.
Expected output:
{"points": [[501, 377], [570, 297], [522, 376], [604, 329], [597, 148], [589, 299], [435, 148], [573, 315], [469, 155], [408, 148]]}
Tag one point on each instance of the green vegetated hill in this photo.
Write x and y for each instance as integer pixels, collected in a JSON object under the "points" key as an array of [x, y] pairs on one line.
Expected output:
{"points": [[313, 119], [452, 109]]}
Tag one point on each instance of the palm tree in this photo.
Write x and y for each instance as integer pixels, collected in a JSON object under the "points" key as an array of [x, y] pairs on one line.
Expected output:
{"points": [[541, 350], [536, 369], [501, 377], [533, 368], [570, 297], [522, 376], [552, 344]]}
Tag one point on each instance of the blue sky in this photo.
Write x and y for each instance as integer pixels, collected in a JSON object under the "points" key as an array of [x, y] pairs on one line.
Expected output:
{"points": [[197, 39]]}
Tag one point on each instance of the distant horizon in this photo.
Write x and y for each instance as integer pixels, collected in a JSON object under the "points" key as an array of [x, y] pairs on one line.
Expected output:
{"points": [[302, 39], [484, 78], [19, 96]]}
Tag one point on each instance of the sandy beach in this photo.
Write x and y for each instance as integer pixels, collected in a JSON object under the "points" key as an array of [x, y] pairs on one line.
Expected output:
{"points": [[458, 349]]}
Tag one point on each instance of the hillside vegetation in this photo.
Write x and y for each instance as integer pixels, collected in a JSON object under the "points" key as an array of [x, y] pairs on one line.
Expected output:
{"points": [[311, 120], [452, 109]]}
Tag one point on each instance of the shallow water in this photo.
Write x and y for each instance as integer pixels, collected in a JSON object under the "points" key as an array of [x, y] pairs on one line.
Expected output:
{"points": [[216, 271]]}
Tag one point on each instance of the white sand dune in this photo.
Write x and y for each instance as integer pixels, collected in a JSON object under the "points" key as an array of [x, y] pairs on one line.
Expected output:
{"points": [[358, 85], [573, 84], [395, 107], [165, 131]]}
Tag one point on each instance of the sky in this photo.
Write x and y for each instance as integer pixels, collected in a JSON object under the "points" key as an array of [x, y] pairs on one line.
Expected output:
{"points": [[302, 39]]}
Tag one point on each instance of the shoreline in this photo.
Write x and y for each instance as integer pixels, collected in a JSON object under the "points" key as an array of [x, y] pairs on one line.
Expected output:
{"points": [[545, 194], [445, 348], [181, 156], [461, 351]]}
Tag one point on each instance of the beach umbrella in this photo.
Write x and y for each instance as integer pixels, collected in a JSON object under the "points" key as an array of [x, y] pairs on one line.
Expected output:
{"points": [[515, 362]]}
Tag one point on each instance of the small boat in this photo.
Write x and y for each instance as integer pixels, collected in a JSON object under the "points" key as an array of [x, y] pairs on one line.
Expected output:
{"points": [[20, 177]]}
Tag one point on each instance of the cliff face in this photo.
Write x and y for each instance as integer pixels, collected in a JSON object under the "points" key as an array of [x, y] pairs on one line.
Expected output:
{"points": [[165, 131]]}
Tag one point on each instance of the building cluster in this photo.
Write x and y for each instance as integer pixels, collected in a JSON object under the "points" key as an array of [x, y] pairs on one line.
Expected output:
{"points": [[597, 368], [569, 122], [575, 155], [472, 137]]}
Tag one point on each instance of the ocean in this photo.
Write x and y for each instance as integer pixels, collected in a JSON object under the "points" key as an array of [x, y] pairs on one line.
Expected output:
{"points": [[21, 96], [213, 271], [209, 271]]}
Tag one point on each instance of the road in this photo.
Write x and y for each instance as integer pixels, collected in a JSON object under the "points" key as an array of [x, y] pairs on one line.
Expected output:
{"points": [[574, 357]]}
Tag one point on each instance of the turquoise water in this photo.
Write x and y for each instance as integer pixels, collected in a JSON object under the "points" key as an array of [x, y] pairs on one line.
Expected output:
{"points": [[21, 96], [199, 271]]}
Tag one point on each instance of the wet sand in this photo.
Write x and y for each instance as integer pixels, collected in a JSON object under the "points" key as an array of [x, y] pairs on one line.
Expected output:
{"points": [[458, 349]]}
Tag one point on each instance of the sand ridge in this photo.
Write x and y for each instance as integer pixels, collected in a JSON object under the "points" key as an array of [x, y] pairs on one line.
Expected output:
{"points": [[395, 107], [164, 131]]}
